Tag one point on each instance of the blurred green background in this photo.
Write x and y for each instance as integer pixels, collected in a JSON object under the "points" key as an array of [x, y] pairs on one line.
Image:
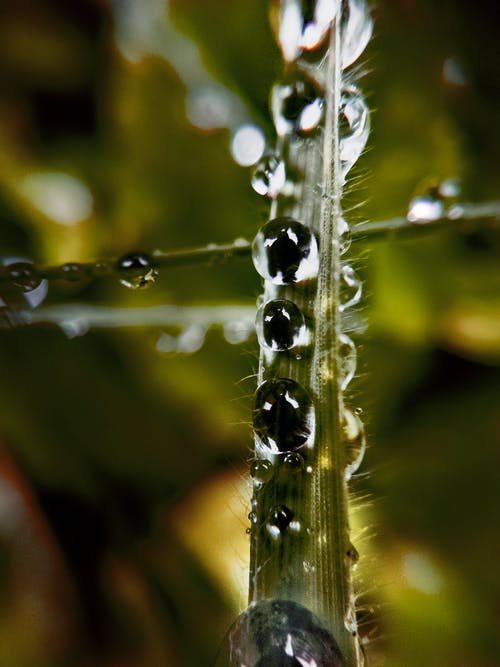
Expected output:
{"points": [[122, 468]]}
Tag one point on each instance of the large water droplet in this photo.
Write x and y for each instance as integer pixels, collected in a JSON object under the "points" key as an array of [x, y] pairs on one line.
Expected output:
{"points": [[280, 325], [304, 25], [283, 416], [269, 177], [354, 127], [279, 633], [296, 107], [137, 270], [351, 288], [356, 30], [354, 441], [348, 359], [285, 251]]}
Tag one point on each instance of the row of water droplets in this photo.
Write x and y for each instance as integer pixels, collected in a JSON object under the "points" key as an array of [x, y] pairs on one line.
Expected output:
{"points": [[286, 253]]}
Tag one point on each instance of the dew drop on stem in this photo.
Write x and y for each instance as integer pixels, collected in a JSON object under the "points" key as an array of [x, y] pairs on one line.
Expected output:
{"points": [[269, 176], [136, 270], [22, 275], [304, 25], [292, 462], [278, 633], [283, 416], [351, 288], [280, 325], [73, 272], [354, 441], [261, 471], [348, 360], [297, 107], [278, 521], [354, 127], [285, 251]]}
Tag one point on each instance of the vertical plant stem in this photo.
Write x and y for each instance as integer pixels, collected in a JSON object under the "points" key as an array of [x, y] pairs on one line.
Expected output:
{"points": [[328, 500]]}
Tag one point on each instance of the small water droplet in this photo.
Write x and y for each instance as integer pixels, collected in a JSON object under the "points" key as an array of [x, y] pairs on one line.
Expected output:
{"points": [[261, 471], [280, 325], [348, 360], [354, 441], [102, 268], [279, 520], [22, 275], [283, 416], [354, 127], [293, 462], [356, 30], [358, 411], [269, 177], [73, 272], [278, 633], [137, 270], [297, 107], [351, 288], [285, 251], [343, 236], [252, 517], [304, 24], [425, 209], [352, 555]]}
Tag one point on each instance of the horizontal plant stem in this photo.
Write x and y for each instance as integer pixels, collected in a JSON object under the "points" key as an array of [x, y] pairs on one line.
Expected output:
{"points": [[456, 217]]}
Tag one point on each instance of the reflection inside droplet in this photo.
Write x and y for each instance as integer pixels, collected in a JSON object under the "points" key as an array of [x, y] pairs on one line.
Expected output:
{"points": [[278, 633]]}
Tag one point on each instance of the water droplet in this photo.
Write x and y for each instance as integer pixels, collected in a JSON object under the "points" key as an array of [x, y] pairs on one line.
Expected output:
{"points": [[354, 441], [348, 359], [73, 272], [261, 471], [343, 236], [356, 30], [293, 462], [283, 416], [358, 411], [269, 177], [425, 209], [351, 288], [102, 268], [354, 127], [304, 25], [279, 633], [297, 107], [352, 555], [252, 517], [278, 521], [22, 275], [285, 251], [137, 270], [29, 291], [280, 325]]}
